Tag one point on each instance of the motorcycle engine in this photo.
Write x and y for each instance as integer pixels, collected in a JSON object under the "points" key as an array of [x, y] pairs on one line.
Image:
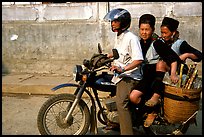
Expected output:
{"points": [[112, 113]]}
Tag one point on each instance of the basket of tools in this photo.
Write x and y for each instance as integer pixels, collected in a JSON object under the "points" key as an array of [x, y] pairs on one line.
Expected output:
{"points": [[181, 101]]}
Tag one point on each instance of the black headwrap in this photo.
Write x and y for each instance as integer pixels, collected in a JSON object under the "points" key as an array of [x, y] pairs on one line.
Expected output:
{"points": [[170, 23], [147, 19]]}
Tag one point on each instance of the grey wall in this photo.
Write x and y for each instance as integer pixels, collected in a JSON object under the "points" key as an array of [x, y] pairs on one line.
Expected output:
{"points": [[52, 38]]}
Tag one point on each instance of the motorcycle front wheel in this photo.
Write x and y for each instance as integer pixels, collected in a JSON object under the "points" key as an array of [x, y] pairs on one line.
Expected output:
{"points": [[54, 110]]}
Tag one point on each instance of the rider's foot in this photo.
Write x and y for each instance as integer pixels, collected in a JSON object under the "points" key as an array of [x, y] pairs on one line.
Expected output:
{"points": [[149, 120], [115, 127], [112, 128], [153, 101]]}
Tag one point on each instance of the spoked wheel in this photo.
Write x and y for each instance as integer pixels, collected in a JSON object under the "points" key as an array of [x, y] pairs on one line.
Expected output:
{"points": [[50, 120]]}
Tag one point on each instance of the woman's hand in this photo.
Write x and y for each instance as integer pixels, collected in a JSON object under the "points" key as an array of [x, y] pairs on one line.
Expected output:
{"points": [[174, 78]]}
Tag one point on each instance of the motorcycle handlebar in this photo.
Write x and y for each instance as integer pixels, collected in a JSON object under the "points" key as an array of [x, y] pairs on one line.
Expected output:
{"points": [[107, 61], [115, 56]]}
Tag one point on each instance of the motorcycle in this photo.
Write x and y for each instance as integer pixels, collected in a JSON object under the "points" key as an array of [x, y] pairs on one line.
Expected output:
{"points": [[69, 114]]}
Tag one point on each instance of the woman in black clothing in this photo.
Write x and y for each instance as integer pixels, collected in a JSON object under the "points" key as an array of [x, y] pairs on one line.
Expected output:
{"points": [[161, 55], [153, 49], [147, 37], [167, 52], [170, 38]]}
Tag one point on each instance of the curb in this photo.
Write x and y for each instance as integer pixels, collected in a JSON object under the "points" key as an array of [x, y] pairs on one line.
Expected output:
{"points": [[40, 90]]}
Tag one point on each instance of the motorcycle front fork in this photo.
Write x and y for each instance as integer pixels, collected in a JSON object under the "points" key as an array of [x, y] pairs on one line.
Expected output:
{"points": [[71, 107], [76, 101]]}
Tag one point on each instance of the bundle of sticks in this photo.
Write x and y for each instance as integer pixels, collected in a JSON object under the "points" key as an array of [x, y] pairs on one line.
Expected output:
{"points": [[187, 81]]}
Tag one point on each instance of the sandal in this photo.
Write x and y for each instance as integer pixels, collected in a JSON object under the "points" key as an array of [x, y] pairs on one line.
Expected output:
{"points": [[151, 103], [112, 126], [149, 120]]}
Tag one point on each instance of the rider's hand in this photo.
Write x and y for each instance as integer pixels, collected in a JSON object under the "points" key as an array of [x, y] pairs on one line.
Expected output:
{"points": [[113, 68], [116, 69], [174, 78], [109, 55]]}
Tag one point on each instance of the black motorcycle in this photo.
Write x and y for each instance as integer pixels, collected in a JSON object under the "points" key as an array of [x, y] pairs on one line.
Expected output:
{"points": [[70, 114]]}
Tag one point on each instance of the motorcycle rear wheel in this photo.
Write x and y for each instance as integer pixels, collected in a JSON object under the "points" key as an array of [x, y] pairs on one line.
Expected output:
{"points": [[51, 114]]}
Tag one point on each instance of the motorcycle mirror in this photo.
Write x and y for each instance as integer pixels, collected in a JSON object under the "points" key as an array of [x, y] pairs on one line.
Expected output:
{"points": [[99, 48], [115, 53]]}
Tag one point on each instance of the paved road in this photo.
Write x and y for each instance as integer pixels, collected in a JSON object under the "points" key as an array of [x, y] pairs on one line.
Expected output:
{"points": [[19, 114]]}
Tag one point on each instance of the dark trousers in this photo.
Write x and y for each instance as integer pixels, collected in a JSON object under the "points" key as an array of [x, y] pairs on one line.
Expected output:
{"points": [[124, 87]]}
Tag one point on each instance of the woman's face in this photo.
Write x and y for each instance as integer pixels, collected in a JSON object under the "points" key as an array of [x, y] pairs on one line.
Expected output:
{"points": [[166, 34], [145, 31]]}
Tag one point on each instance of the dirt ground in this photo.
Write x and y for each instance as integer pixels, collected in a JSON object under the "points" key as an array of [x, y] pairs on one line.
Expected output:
{"points": [[19, 114]]}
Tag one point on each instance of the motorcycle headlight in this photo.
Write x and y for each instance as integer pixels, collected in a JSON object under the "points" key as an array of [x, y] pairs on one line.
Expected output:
{"points": [[77, 72]]}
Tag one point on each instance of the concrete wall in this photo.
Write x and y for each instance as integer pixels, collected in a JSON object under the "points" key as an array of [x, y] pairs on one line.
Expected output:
{"points": [[52, 38]]}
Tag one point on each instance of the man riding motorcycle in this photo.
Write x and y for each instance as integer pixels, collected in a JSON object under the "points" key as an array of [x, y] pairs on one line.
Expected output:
{"points": [[128, 65]]}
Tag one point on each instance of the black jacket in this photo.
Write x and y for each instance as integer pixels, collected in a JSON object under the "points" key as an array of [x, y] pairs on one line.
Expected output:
{"points": [[186, 48], [165, 52]]}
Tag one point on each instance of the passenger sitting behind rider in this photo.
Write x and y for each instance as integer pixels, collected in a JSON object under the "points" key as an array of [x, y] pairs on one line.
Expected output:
{"points": [[147, 37], [152, 51], [127, 66], [170, 35]]}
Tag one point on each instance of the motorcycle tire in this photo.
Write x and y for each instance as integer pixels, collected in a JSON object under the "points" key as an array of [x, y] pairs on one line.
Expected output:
{"points": [[54, 110]]}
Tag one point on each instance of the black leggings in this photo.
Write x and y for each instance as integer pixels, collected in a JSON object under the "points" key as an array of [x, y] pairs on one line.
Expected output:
{"points": [[158, 85]]}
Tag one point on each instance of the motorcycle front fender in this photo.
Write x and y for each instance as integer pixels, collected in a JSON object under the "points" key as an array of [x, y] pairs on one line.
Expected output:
{"points": [[64, 85]]}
